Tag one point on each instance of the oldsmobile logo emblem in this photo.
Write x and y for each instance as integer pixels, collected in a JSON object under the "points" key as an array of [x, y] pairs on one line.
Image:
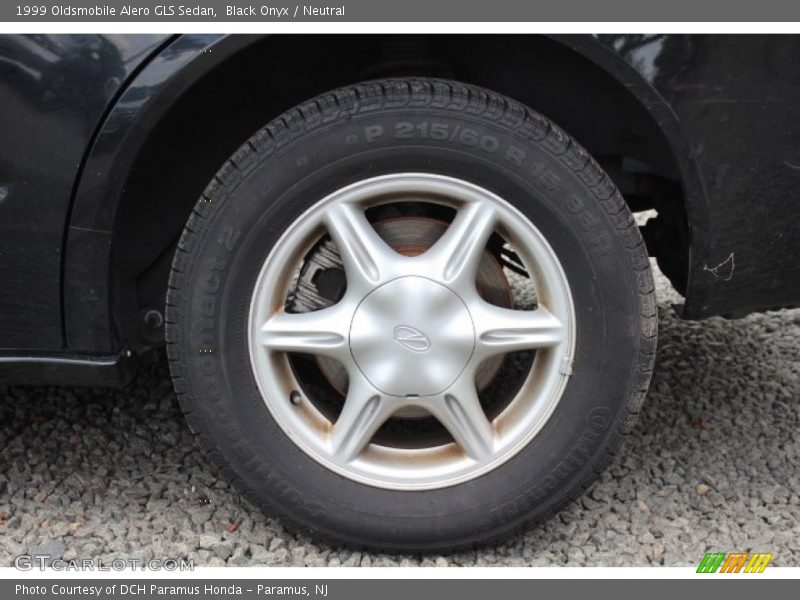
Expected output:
{"points": [[411, 338]]}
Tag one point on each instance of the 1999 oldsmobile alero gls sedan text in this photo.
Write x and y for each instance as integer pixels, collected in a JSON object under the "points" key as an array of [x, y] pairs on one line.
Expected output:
{"points": [[402, 292]]}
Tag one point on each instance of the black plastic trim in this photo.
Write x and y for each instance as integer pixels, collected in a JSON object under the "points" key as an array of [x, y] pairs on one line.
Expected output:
{"points": [[31, 369]]}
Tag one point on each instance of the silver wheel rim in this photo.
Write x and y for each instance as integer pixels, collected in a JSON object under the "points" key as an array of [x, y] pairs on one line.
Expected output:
{"points": [[411, 332]]}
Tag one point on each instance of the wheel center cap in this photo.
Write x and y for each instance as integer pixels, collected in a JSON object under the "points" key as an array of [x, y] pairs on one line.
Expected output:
{"points": [[412, 337]]}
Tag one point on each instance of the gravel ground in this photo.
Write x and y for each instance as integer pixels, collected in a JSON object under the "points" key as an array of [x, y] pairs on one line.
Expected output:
{"points": [[714, 463]]}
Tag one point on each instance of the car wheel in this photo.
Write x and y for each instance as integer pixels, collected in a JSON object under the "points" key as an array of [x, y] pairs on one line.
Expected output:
{"points": [[411, 314]]}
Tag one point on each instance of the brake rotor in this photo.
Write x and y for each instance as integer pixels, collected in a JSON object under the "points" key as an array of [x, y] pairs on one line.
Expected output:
{"points": [[412, 236]]}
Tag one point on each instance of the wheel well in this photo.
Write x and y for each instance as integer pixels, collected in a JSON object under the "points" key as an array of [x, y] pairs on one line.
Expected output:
{"points": [[220, 111]]}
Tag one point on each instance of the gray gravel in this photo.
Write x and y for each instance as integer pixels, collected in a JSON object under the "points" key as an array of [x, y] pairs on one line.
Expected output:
{"points": [[714, 463]]}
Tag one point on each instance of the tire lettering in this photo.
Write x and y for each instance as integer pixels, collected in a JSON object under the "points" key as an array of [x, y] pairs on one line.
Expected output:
{"points": [[515, 155], [203, 322], [372, 132], [208, 306], [228, 237], [211, 283], [596, 422], [538, 171], [403, 131], [440, 132], [468, 137], [599, 240]]}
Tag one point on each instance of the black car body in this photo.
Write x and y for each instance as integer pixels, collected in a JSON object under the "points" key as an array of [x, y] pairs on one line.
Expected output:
{"points": [[107, 141]]}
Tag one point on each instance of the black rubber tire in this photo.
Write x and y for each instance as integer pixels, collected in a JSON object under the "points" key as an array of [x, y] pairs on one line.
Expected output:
{"points": [[375, 128]]}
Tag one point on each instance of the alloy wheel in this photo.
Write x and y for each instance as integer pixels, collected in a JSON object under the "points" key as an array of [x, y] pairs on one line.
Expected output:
{"points": [[412, 333]]}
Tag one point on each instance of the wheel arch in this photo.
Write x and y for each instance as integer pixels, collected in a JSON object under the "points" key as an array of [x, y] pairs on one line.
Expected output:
{"points": [[178, 121]]}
